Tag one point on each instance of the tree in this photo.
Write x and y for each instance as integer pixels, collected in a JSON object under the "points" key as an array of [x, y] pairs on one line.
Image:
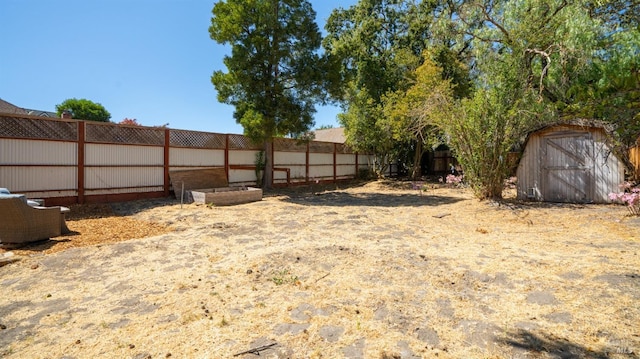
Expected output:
{"points": [[129, 121], [275, 73], [83, 109], [379, 44], [414, 113], [609, 89]]}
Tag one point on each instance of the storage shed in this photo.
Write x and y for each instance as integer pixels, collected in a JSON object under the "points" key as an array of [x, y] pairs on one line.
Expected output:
{"points": [[569, 163]]}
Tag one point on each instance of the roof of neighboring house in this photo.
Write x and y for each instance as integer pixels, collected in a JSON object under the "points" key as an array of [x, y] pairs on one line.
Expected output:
{"points": [[41, 113], [6, 107], [335, 135]]}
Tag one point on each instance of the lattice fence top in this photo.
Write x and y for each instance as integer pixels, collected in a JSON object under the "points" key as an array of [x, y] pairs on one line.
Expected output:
{"points": [[24, 127], [321, 147], [344, 149], [111, 133], [239, 142], [193, 139], [289, 145]]}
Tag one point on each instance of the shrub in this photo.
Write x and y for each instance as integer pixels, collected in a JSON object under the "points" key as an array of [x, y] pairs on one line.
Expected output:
{"points": [[453, 180], [630, 196]]}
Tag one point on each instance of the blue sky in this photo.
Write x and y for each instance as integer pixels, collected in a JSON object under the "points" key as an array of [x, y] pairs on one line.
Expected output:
{"points": [[150, 60]]}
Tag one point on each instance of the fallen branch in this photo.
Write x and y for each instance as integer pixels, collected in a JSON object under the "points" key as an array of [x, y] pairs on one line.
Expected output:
{"points": [[257, 350], [323, 277]]}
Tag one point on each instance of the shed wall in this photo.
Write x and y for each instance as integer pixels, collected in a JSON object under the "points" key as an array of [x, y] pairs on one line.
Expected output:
{"points": [[607, 171]]}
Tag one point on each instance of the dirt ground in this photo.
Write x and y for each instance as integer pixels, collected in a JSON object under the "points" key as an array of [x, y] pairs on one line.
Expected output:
{"points": [[377, 270]]}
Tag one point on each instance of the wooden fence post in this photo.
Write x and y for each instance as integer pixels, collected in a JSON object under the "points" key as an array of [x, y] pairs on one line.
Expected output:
{"points": [[226, 156], [306, 169], [272, 149], [357, 167], [167, 148], [80, 168], [335, 162]]}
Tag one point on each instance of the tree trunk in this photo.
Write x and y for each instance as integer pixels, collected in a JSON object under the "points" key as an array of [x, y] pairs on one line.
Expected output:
{"points": [[267, 176], [417, 160]]}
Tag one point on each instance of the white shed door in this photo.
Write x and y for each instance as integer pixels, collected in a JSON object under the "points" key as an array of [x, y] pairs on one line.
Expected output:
{"points": [[568, 168]]}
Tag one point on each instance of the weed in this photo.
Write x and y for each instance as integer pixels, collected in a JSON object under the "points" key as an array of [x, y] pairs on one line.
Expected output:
{"points": [[284, 277], [223, 322]]}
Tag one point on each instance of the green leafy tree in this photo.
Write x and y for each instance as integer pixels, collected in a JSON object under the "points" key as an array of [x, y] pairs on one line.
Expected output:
{"points": [[275, 72], [379, 44], [609, 90], [83, 109], [413, 113]]}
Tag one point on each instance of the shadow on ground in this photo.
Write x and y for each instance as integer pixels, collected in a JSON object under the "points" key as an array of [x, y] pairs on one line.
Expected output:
{"points": [[527, 343], [371, 199], [37, 246], [133, 207]]}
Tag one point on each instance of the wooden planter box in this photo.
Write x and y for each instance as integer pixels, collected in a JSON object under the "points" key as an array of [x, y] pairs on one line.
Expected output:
{"points": [[210, 186], [226, 196]]}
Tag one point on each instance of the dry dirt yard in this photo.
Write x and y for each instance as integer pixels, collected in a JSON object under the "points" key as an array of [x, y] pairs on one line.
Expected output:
{"points": [[376, 270]]}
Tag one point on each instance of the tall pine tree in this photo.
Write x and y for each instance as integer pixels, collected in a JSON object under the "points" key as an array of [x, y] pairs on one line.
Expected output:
{"points": [[275, 72]]}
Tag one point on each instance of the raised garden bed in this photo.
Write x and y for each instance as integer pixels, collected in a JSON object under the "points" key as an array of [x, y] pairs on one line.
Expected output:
{"points": [[210, 186], [226, 196]]}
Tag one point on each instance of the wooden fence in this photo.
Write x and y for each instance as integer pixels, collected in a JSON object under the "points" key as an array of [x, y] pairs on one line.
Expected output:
{"points": [[70, 161], [634, 157]]}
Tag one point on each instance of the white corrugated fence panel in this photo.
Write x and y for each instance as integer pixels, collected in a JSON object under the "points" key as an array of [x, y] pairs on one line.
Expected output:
{"points": [[364, 160], [101, 154], [345, 170], [38, 178], [115, 177], [242, 158], [280, 175], [320, 172], [242, 176], [346, 159], [298, 172], [196, 157], [289, 158], [31, 152], [321, 159]]}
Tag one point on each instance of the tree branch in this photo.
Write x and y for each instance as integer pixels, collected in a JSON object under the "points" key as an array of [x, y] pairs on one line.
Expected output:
{"points": [[495, 23], [545, 69]]}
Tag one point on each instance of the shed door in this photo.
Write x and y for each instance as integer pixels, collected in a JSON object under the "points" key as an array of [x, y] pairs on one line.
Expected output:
{"points": [[568, 168]]}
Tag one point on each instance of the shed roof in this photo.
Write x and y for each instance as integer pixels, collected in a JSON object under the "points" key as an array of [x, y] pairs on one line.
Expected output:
{"points": [[582, 124], [579, 122]]}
